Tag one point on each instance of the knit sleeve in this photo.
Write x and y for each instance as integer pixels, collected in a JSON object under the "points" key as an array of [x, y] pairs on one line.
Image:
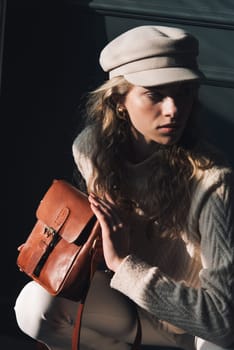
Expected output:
{"points": [[81, 149], [206, 312]]}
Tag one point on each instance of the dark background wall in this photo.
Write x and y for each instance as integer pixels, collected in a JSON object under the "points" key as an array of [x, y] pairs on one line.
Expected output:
{"points": [[36, 132], [50, 60]]}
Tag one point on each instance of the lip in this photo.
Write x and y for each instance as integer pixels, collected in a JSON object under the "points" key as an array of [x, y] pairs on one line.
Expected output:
{"points": [[169, 125], [168, 128]]}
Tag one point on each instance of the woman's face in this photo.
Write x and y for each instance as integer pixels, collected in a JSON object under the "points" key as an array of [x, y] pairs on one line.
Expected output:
{"points": [[160, 114]]}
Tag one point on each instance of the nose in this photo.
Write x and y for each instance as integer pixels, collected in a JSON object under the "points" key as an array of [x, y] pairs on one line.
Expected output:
{"points": [[169, 108]]}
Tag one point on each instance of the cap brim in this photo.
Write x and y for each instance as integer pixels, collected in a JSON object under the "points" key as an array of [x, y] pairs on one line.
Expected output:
{"points": [[163, 76]]}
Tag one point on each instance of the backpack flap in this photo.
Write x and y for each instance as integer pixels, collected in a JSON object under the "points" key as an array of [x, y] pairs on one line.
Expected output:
{"points": [[66, 210]]}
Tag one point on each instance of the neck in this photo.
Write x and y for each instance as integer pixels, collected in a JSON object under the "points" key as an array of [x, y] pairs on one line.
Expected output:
{"points": [[140, 149]]}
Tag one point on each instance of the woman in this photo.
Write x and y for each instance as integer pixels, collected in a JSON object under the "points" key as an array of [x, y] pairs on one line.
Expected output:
{"points": [[164, 200]]}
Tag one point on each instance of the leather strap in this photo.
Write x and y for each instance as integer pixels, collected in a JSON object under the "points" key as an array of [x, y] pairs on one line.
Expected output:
{"points": [[77, 327], [137, 341], [95, 259]]}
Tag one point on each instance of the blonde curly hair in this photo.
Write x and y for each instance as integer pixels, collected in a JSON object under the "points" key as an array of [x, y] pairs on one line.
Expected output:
{"points": [[174, 166]]}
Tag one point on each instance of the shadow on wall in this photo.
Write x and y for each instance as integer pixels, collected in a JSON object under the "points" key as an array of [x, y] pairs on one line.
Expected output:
{"points": [[219, 132]]}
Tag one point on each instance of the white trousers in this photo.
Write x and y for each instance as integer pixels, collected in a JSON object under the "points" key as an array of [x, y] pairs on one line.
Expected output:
{"points": [[108, 322]]}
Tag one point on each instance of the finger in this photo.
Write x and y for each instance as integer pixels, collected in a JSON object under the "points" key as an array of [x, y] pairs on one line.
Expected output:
{"points": [[106, 217], [105, 203], [100, 205], [106, 207], [101, 216]]}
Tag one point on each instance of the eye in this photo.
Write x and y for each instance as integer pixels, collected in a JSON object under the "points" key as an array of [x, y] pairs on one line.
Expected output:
{"points": [[154, 95]]}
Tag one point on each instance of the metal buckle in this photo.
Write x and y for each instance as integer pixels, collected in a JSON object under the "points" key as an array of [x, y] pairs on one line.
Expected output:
{"points": [[49, 231]]}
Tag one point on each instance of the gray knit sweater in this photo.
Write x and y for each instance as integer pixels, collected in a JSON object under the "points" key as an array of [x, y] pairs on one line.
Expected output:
{"points": [[186, 284]]}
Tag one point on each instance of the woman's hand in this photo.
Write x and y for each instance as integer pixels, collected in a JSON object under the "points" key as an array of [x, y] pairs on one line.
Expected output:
{"points": [[115, 233]]}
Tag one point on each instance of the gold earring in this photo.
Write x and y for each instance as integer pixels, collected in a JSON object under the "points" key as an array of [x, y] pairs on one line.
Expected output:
{"points": [[121, 112], [120, 109]]}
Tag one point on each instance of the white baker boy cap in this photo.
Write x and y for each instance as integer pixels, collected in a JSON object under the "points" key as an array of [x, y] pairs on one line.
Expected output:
{"points": [[152, 55]]}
